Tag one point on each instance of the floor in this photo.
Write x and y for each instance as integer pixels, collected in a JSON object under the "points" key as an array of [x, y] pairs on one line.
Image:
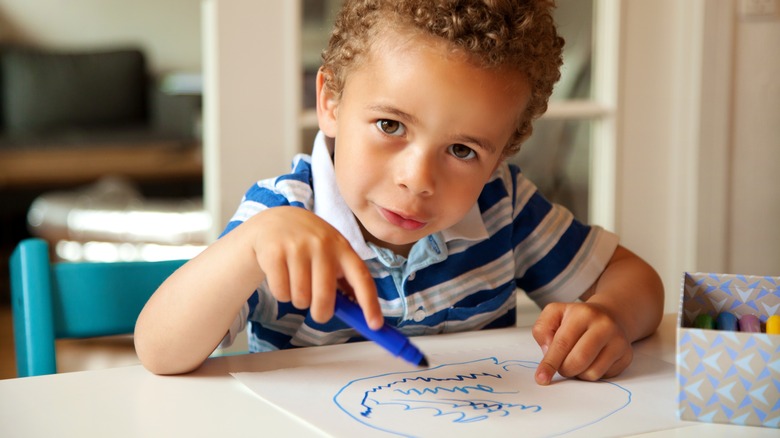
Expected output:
{"points": [[7, 367], [72, 355]]}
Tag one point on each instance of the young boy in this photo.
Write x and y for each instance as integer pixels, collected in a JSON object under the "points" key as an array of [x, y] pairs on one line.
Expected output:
{"points": [[407, 203]]}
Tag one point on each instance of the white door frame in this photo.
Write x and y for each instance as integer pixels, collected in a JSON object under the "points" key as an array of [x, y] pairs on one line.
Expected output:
{"points": [[252, 97]]}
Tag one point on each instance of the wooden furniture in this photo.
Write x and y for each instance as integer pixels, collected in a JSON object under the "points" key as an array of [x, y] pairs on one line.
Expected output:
{"points": [[29, 168]]}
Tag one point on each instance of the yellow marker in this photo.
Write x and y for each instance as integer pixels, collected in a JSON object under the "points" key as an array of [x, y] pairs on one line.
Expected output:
{"points": [[773, 325]]}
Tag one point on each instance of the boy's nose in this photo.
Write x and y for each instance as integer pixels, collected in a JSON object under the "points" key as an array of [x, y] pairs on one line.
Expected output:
{"points": [[416, 173]]}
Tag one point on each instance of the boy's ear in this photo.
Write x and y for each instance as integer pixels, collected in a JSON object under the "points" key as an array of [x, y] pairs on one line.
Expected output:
{"points": [[327, 106]]}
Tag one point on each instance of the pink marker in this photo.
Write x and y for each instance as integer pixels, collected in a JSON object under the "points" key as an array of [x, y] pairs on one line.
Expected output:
{"points": [[750, 324]]}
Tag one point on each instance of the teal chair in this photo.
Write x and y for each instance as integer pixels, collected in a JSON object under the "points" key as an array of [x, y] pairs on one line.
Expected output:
{"points": [[73, 300]]}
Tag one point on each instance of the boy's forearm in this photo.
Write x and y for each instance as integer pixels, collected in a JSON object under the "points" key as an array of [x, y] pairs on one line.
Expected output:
{"points": [[632, 292], [191, 312]]}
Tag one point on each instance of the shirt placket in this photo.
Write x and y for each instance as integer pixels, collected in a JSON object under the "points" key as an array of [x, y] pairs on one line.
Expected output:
{"points": [[403, 272]]}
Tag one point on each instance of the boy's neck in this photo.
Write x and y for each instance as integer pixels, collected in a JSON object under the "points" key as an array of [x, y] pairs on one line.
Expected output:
{"points": [[330, 143]]}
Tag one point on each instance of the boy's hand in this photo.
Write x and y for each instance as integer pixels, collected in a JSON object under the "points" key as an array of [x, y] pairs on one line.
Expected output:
{"points": [[303, 258], [580, 340]]}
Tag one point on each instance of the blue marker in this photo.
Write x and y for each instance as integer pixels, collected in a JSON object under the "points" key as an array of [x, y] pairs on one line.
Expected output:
{"points": [[726, 321], [388, 337]]}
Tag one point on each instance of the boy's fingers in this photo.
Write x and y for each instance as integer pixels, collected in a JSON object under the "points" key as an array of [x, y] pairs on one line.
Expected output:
{"points": [[278, 279], [300, 283], [362, 284], [546, 325], [611, 360], [567, 339], [323, 281], [620, 365], [554, 354], [547, 333]]}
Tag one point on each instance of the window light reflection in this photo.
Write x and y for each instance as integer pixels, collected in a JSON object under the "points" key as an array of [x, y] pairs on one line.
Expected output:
{"points": [[93, 251], [159, 226]]}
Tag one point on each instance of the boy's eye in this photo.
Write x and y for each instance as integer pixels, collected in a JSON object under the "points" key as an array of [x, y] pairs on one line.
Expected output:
{"points": [[390, 127], [462, 151]]}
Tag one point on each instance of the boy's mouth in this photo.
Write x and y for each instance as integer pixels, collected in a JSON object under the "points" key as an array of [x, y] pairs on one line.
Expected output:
{"points": [[401, 221]]}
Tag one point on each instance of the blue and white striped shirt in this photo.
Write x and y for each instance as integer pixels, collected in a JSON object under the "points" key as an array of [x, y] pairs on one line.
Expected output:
{"points": [[463, 278]]}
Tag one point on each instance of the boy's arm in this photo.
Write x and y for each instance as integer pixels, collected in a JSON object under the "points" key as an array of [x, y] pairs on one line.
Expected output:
{"points": [[593, 339], [632, 292], [302, 256], [190, 313]]}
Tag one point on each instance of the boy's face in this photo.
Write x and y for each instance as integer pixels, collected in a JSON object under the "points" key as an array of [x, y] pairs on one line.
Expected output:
{"points": [[418, 131]]}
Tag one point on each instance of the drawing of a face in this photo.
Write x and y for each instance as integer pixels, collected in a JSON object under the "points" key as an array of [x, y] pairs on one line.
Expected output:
{"points": [[470, 398]]}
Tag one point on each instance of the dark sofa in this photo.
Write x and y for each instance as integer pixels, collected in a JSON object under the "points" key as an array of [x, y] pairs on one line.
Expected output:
{"points": [[50, 98]]}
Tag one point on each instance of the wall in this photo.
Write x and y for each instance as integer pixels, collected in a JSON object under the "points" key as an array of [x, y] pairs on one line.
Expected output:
{"points": [[168, 30], [698, 139], [649, 145], [753, 245], [252, 89]]}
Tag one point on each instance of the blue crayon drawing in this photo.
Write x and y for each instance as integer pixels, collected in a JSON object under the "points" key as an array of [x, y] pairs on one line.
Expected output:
{"points": [[469, 397]]}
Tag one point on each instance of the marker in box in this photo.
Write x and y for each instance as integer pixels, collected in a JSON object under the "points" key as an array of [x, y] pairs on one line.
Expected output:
{"points": [[704, 321], [749, 324], [726, 321], [773, 325]]}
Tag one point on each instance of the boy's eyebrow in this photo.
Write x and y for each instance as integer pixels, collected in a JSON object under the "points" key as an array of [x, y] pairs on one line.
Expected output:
{"points": [[484, 144], [395, 111]]}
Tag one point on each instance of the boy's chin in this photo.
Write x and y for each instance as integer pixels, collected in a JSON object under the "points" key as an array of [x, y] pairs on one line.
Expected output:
{"points": [[388, 237], [393, 242], [397, 245]]}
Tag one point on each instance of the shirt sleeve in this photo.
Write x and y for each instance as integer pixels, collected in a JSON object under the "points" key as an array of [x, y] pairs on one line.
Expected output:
{"points": [[293, 189], [238, 325], [557, 257]]}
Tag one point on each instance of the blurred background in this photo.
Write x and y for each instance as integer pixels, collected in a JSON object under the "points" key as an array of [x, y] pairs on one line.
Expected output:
{"points": [[130, 130]]}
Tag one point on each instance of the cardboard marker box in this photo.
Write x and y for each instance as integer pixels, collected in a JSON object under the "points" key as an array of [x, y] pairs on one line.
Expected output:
{"points": [[726, 376]]}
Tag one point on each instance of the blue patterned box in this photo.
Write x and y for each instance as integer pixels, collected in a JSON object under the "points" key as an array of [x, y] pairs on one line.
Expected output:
{"points": [[722, 376]]}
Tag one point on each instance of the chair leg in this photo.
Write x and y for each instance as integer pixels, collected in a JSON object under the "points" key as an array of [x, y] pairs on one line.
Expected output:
{"points": [[32, 308]]}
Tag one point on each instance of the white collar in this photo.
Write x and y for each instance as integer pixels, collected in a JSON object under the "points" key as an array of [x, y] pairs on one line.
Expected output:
{"points": [[330, 206]]}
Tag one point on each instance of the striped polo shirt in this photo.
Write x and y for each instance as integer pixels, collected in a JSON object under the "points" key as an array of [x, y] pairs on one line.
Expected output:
{"points": [[462, 278]]}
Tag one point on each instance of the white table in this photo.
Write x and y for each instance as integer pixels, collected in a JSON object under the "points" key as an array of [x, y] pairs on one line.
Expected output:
{"points": [[131, 402]]}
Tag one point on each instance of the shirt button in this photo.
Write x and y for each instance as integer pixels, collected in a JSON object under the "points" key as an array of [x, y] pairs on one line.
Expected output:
{"points": [[419, 315], [412, 275]]}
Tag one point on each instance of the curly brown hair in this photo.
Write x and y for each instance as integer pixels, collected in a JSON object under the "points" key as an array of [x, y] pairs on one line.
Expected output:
{"points": [[517, 34]]}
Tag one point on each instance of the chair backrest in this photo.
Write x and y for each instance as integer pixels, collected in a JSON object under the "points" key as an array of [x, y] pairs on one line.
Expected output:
{"points": [[73, 300]]}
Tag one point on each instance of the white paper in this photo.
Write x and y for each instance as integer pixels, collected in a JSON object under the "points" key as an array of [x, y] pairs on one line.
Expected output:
{"points": [[470, 392]]}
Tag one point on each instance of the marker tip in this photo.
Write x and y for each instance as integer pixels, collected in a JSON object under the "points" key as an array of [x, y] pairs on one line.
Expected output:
{"points": [[423, 362]]}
